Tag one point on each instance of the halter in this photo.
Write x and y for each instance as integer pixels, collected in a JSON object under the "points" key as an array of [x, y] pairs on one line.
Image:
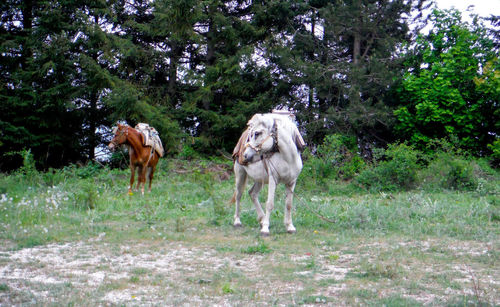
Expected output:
{"points": [[121, 133], [273, 135]]}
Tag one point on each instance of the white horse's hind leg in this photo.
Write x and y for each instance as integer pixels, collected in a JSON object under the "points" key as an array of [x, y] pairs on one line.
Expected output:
{"points": [[254, 195], [240, 182], [264, 230], [288, 208]]}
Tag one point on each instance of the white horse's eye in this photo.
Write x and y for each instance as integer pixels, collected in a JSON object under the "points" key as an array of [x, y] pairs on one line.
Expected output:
{"points": [[257, 134]]}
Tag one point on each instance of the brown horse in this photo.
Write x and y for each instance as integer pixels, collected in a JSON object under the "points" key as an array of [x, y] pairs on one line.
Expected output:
{"points": [[143, 157]]}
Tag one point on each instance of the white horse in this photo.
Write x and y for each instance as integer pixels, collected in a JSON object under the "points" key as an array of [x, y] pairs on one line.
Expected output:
{"points": [[268, 152]]}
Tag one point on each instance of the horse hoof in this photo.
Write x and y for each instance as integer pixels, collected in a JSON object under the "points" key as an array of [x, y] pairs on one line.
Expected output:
{"points": [[290, 229], [237, 225], [264, 234]]}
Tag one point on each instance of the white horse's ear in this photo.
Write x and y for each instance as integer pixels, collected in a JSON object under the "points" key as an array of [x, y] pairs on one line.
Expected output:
{"points": [[254, 118], [277, 121]]}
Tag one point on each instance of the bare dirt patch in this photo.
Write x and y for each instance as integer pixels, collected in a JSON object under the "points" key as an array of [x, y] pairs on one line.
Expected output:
{"points": [[96, 272]]}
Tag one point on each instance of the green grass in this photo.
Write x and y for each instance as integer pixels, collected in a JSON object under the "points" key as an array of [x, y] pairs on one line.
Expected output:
{"points": [[260, 248], [378, 249]]}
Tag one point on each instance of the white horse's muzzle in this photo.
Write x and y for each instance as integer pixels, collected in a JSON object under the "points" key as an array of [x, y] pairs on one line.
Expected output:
{"points": [[248, 154]]}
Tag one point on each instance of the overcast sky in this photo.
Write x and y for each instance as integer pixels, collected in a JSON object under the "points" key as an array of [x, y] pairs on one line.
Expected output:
{"points": [[482, 8]]}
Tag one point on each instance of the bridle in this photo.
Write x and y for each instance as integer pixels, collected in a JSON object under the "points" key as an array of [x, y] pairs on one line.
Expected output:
{"points": [[258, 148], [115, 144]]}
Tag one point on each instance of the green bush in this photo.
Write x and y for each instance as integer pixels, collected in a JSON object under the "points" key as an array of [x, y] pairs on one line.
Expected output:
{"points": [[53, 177], [188, 153], [336, 158], [119, 159], [451, 171], [394, 168], [28, 172], [495, 152], [85, 196]]}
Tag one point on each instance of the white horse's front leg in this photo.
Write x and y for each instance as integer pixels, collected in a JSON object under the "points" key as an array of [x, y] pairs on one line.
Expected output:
{"points": [[240, 181], [288, 208], [269, 207], [254, 195]]}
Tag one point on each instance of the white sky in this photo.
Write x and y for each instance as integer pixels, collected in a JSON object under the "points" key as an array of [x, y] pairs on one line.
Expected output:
{"points": [[483, 8]]}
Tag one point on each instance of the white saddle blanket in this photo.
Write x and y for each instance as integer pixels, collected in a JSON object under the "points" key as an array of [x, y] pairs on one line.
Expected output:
{"points": [[151, 137]]}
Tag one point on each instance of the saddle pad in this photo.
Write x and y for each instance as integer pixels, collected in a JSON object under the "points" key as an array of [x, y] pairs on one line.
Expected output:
{"points": [[151, 137]]}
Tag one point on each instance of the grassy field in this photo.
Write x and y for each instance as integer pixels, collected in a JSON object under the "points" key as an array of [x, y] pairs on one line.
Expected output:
{"points": [[74, 237]]}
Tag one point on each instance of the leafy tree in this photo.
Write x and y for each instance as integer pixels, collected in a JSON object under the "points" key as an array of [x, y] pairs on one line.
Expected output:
{"points": [[451, 86]]}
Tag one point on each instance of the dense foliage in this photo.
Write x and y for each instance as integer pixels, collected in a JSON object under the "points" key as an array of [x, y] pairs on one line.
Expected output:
{"points": [[452, 86], [197, 70]]}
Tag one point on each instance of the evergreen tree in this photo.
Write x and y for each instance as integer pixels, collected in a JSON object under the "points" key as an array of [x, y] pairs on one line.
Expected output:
{"points": [[37, 111], [140, 92], [223, 83], [342, 60]]}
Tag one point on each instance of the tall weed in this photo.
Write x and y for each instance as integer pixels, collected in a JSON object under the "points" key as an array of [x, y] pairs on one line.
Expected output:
{"points": [[28, 172]]}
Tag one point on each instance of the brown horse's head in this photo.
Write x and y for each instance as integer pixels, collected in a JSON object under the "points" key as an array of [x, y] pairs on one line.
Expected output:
{"points": [[120, 137]]}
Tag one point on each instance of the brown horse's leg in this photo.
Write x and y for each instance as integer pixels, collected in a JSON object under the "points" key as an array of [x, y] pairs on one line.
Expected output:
{"points": [[141, 179], [151, 172], [132, 175]]}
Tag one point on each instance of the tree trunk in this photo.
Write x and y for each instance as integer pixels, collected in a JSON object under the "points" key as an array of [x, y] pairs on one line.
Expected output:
{"points": [[94, 97], [172, 70], [27, 10]]}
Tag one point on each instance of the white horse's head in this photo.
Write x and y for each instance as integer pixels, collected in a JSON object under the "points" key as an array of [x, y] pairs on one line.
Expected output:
{"points": [[262, 136]]}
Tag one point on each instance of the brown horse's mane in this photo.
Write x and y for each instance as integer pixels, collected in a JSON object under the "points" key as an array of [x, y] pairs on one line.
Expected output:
{"points": [[129, 131], [140, 136]]}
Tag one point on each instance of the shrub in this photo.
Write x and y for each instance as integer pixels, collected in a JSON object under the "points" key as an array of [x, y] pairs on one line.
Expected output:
{"points": [[27, 173], [335, 158], [188, 153], [451, 171], [495, 152], [394, 168], [86, 195]]}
